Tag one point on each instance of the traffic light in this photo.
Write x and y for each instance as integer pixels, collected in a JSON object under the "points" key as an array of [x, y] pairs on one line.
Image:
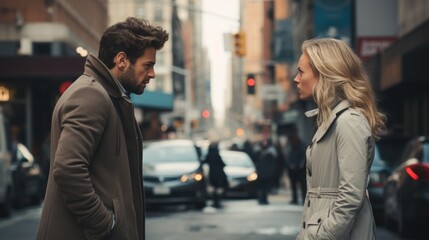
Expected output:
{"points": [[251, 84], [239, 44], [205, 113]]}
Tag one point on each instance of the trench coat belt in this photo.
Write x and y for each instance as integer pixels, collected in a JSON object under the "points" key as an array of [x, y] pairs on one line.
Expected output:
{"points": [[320, 192]]}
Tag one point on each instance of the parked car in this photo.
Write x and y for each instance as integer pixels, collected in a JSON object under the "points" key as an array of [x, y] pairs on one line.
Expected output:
{"points": [[241, 174], [27, 177], [6, 190], [172, 173], [406, 200], [380, 171]]}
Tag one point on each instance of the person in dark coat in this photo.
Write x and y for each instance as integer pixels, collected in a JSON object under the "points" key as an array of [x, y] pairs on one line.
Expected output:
{"points": [[95, 186], [266, 168], [217, 176], [295, 164]]}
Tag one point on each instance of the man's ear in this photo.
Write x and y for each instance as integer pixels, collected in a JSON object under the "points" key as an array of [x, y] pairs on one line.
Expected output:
{"points": [[121, 60]]}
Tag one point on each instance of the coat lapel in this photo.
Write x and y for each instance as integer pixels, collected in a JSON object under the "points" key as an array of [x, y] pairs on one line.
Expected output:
{"points": [[323, 129]]}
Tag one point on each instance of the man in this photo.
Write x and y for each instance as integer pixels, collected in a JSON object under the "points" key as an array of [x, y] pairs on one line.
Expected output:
{"points": [[295, 165], [266, 168], [95, 183]]}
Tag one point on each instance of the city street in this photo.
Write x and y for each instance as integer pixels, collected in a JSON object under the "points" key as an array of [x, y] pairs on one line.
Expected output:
{"points": [[239, 219]]}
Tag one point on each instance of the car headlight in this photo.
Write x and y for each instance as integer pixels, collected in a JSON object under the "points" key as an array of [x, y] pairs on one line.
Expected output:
{"points": [[252, 177], [193, 176]]}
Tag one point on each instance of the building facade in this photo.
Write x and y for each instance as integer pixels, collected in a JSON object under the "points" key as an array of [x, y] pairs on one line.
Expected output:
{"points": [[42, 50]]}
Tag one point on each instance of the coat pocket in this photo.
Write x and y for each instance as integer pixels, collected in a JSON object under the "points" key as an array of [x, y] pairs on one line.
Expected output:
{"points": [[117, 211], [314, 223]]}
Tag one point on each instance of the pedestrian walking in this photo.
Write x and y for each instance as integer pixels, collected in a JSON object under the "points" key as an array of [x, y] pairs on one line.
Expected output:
{"points": [[295, 165], [342, 149], [95, 187], [266, 168], [217, 177]]}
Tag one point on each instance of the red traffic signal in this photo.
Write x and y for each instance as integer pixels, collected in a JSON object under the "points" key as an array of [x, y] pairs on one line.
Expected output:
{"points": [[251, 84], [205, 113]]}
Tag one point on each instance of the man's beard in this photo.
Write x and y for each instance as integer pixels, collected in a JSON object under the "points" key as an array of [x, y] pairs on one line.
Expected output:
{"points": [[127, 80]]}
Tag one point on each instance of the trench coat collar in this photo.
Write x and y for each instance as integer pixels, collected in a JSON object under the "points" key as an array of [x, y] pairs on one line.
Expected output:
{"points": [[323, 129], [94, 67]]}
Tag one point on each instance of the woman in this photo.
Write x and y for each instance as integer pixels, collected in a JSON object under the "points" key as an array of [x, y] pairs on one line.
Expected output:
{"points": [[217, 176], [342, 150]]}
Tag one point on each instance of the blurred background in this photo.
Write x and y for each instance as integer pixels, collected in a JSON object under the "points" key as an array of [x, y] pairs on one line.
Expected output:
{"points": [[225, 76]]}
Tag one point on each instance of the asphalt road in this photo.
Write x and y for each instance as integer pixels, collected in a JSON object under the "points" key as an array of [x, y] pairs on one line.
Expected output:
{"points": [[237, 220]]}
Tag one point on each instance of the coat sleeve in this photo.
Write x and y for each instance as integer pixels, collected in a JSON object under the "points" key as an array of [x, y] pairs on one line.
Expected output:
{"points": [[83, 118], [352, 139]]}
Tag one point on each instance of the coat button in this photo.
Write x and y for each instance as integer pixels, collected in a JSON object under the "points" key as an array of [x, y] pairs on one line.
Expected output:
{"points": [[319, 220], [308, 203], [303, 225]]}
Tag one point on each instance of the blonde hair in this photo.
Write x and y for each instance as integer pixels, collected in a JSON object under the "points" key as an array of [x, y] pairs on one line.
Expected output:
{"points": [[341, 76]]}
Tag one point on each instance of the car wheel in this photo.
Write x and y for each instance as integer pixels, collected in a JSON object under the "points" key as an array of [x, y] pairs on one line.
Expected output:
{"points": [[200, 205], [6, 206]]}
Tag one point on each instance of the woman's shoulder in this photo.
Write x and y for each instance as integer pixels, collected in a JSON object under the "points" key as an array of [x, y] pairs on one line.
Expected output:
{"points": [[351, 115], [353, 120]]}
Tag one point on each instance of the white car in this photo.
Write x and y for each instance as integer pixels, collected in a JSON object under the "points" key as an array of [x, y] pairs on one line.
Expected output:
{"points": [[241, 174]]}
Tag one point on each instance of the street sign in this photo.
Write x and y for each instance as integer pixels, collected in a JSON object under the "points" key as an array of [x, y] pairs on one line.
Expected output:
{"points": [[272, 92]]}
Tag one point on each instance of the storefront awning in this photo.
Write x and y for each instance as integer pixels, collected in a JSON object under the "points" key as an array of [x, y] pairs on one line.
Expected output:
{"points": [[405, 61], [41, 66]]}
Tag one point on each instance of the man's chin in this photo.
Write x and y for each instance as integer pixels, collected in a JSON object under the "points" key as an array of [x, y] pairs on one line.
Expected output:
{"points": [[139, 92]]}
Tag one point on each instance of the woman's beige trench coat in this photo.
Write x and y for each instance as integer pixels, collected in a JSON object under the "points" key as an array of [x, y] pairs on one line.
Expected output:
{"points": [[338, 161]]}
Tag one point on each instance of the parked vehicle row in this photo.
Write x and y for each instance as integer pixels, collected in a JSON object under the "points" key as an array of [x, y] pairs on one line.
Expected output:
{"points": [[406, 192], [380, 171], [21, 178], [399, 185], [27, 177]]}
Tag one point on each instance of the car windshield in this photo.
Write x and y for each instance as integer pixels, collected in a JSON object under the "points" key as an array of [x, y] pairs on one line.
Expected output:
{"points": [[168, 153], [236, 159]]}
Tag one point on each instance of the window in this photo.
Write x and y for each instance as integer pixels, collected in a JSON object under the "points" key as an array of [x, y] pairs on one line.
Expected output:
{"points": [[41, 49], [158, 13], [140, 12]]}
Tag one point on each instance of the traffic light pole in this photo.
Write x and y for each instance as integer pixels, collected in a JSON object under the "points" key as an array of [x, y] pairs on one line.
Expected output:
{"points": [[187, 124]]}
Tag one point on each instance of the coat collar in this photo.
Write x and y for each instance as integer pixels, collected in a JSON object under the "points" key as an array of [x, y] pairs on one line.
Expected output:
{"points": [[96, 69], [323, 129]]}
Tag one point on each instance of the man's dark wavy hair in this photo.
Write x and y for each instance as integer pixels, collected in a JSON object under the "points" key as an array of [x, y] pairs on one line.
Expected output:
{"points": [[133, 36]]}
